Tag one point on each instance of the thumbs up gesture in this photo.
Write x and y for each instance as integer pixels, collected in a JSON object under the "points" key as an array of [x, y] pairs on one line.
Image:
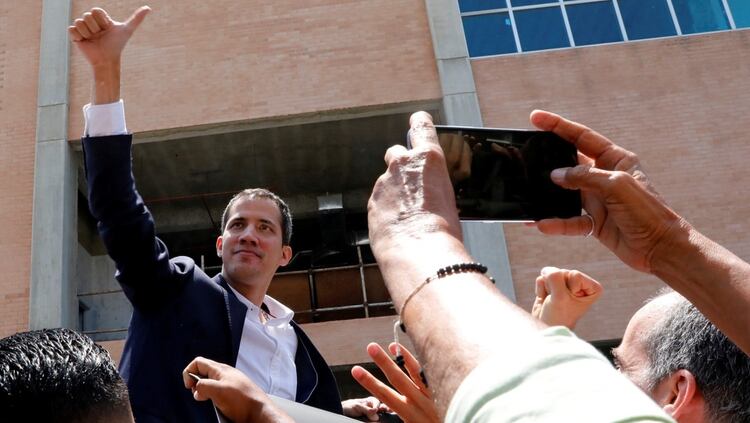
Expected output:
{"points": [[102, 39]]}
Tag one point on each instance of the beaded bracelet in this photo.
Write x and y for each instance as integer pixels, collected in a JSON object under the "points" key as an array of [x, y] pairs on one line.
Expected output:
{"points": [[441, 273]]}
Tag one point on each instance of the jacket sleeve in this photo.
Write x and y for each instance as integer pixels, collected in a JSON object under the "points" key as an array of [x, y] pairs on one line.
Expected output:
{"points": [[126, 226]]}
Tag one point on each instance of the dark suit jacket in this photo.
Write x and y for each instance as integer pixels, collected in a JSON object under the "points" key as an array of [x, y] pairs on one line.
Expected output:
{"points": [[179, 312]]}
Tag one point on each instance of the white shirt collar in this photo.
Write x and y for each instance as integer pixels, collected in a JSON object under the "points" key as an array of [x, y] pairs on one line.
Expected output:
{"points": [[278, 312]]}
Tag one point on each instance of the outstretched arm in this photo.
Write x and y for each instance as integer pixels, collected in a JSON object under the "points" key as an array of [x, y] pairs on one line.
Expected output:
{"points": [[564, 296], [636, 224]]}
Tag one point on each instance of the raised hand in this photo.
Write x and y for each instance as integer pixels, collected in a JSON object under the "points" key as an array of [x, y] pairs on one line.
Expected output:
{"points": [[102, 40], [630, 218], [413, 400], [564, 296]]}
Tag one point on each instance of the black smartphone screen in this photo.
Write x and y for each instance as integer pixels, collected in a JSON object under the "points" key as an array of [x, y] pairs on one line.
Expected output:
{"points": [[504, 174]]}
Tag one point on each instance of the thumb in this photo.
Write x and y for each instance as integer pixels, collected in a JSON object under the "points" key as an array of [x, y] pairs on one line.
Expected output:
{"points": [[554, 280], [584, 177], [137, 17], [206, 389]]}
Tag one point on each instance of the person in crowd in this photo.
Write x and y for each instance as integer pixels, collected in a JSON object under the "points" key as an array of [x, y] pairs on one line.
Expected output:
{"points": [[58, 375], [179, 311]]}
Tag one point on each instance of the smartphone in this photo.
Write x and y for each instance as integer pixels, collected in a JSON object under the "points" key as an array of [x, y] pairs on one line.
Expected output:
{"points": [[504, 174]]}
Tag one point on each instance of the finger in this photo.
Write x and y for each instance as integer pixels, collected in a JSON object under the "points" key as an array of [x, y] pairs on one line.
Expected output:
{"points": [[102, 18], [137, 17], [393, 152], [554, 280], [395, 376], [73, 33], [464, 170], [207, 389], [574, 226], [583, 285], [377, 388], [585, 177], [202, 367], [422, 131], [413, 367], [589, 142], [88, 18], [539, 289], [82, 28]]}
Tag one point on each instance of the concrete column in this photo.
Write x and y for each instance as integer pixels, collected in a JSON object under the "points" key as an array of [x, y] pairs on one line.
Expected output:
{"points": [[53, 246], [485, 241]]}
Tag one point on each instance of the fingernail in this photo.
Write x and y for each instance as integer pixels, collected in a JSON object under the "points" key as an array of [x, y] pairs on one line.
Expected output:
{"points": [[558, 175]]}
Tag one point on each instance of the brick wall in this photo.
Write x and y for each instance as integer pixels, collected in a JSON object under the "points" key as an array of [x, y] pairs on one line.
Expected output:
{"points": [[680, 103], [199, 63], [19, 63]]}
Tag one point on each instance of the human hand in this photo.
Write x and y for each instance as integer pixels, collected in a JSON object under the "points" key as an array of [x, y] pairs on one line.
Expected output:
{"points": [[413, 400], [364, 407], [102, 39], [564, 296], [413, 200], [233, 393], [457, 156], [630, 218]]}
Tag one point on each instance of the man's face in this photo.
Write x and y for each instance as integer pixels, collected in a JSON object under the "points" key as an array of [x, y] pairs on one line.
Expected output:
{"points": [[630, 356], [251, 245]]}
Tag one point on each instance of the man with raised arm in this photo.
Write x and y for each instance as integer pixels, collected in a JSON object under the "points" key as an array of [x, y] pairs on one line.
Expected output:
{"points": [[179, 312]]}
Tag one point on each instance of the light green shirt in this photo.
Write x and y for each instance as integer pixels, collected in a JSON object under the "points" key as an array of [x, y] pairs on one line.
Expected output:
{"points": [[560, 379]]}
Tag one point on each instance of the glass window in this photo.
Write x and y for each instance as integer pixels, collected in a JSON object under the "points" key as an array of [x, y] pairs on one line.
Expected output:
{"points": [[700, 15], [517, 3], [489, 34], [594, 23], [476, 5], [646, 19], [541, 29], [740, 12]]}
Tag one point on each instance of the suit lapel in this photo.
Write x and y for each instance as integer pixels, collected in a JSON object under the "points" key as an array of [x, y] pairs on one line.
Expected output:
{"points": [[236, 312]]}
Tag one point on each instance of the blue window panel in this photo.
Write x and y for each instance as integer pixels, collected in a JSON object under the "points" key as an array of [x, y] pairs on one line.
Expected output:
{"points": [[530, 2], [646, 19], [700, 15], [594, 23], [489, 34], [541, 29], [740, 12], [476, 5]]}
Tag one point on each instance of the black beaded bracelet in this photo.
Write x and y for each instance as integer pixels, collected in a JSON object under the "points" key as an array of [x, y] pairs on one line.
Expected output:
{"points": [[441, 273]]}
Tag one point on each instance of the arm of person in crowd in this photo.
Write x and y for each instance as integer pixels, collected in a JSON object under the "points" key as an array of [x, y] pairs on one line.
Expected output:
{"points": [[125, 225], [461, 321], [411, 400], [232, 393], [636, 224], [563, 296]]}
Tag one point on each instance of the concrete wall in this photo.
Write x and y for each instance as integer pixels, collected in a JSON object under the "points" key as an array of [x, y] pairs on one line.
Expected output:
{"points": [[225, 61], [19, 65], [680, 103]]}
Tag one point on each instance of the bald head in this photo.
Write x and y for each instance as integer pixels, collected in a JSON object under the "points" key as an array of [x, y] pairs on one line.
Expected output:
{"points": [[669, 335]]}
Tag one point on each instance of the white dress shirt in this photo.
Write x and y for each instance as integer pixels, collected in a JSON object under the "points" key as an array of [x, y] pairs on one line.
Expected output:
{"points": [[267, 349]]}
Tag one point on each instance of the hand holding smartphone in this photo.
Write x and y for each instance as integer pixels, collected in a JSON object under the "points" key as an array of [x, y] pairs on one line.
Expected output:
{"points": [[504, 174]]}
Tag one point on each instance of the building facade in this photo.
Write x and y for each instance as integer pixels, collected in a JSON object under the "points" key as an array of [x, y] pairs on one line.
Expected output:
{"points": [[304, 98]]}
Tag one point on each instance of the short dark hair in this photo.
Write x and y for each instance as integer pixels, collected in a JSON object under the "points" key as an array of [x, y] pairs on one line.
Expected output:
{"points": [[254, 193], [685, 339], [59, 375]]}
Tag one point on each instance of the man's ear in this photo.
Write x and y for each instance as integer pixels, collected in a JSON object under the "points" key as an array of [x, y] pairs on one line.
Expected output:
{"points": [[286, 255], [219, 245], [680, 397]]}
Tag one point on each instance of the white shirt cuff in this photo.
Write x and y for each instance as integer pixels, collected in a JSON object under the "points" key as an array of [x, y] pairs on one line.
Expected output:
{"points": [[102, 120]]}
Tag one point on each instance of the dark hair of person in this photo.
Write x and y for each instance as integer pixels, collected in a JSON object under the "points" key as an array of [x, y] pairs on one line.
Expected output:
{"points": [[58, 375], [686, 339], [256, 193]]}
